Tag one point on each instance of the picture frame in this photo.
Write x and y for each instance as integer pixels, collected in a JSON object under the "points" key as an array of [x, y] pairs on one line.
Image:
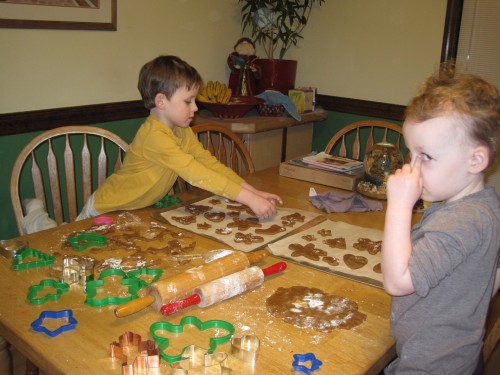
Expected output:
{"points": [[25, 15]]}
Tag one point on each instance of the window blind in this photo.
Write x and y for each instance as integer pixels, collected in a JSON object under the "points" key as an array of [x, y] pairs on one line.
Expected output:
{"points": [[479, 40]]}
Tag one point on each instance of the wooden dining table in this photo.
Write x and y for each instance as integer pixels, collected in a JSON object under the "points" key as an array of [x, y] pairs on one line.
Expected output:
{"points": [[364, 349]]}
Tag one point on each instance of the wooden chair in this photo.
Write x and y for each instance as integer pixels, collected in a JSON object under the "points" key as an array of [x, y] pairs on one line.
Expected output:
{"points": [[366, 132], [226, 146], [65, 165]]}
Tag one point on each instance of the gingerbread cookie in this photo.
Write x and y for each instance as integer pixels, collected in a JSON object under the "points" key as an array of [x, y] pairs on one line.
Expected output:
{"points": [[312, 308]]}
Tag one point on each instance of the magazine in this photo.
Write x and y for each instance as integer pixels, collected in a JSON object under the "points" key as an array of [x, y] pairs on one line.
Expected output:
{"points": [[329, 162]]}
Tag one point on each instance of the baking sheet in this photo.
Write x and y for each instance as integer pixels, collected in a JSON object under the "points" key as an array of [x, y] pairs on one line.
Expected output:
{"points": [[351, 233], [229, 239]]}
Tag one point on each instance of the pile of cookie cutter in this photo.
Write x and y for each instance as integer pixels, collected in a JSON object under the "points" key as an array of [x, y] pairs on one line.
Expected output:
{"points": [[37, 325], [84, 240], [74, 270], [42, 259], [195, 357], [298, 359], [9, 248], [163, 342], [48, 283], [148, 356]]}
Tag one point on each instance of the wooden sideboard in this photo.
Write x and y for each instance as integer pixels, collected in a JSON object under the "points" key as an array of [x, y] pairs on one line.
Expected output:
{"points": [[270, 140]]}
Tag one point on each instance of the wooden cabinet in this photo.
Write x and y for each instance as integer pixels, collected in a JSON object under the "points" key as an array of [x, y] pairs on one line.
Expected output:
{"points": [[270, 140]]}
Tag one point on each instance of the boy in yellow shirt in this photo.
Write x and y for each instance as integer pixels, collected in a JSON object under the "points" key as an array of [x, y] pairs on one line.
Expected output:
{"points": [[165, 147]]}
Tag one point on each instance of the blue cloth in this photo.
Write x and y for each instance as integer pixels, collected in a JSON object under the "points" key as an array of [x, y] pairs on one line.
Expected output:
{"points": [[276, 97], [336, 201]]}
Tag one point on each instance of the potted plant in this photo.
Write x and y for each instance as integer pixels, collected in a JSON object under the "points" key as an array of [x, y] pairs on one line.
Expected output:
{"points": [[276, 25]]}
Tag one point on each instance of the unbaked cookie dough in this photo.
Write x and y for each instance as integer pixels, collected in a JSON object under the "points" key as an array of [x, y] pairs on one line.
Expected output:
{"points": [[311, 308]]}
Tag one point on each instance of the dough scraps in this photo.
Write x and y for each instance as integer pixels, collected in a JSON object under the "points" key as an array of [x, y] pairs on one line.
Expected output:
{"points": [[312, 308]]}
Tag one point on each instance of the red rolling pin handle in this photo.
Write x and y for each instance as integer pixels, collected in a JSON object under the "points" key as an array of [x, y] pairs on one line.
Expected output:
{"points": [[173, 307]]}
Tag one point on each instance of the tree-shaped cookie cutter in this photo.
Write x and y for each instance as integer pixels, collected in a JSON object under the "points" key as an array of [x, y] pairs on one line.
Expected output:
{"points": [[37, 325], [163, 342], [148, 355], [42, 259], [133, 284], [34, 290]]}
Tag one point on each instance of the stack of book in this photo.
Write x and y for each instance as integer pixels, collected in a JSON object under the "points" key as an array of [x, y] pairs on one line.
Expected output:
{"points": [[325, 169]]}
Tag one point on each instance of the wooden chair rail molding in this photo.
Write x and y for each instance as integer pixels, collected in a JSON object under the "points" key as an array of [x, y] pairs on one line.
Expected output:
{"points": [[31, 121]]}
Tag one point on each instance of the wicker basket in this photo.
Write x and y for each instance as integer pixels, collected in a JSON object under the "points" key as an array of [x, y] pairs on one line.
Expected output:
{"points": [[270, 109]]}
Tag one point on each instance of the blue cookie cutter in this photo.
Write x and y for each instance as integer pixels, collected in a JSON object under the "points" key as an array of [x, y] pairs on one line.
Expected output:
{"points": [[302, 358], [37, 325]]}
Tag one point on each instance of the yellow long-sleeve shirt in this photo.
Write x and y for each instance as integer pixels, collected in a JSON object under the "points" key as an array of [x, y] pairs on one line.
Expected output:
{"points": [[154, 160]]}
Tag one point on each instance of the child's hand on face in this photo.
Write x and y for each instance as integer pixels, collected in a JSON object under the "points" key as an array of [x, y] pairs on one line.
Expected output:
{"points": [[404, 187]]}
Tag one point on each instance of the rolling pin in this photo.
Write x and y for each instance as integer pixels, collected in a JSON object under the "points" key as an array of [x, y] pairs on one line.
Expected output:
{"points": [[224, 288], [180, 286]]}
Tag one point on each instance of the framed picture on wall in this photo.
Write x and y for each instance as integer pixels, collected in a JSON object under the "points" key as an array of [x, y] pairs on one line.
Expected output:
{"points": [[58, 14]]}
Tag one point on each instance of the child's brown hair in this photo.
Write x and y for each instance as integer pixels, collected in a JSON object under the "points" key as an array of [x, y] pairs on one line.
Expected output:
{"points": [[165, 74]]}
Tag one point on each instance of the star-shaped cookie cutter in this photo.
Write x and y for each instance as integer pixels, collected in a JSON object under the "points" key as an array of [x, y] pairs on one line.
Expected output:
{"points": [[163, 342], [298, 359], [37, 325], [148, 355], [48, 283]]}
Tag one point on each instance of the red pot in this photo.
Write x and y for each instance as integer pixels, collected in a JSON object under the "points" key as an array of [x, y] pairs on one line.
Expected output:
{"points": [[276, 75]]}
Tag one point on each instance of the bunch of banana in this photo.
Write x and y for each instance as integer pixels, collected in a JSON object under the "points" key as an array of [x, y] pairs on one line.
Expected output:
{"points": [[215, 92]]}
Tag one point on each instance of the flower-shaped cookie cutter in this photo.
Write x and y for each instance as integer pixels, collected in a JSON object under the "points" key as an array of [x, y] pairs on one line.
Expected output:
{"points": [[163, 342], [82, 241], [34, 290], [18, 262], [37, 325], [300, 359], [134, 285], [148, 355]]}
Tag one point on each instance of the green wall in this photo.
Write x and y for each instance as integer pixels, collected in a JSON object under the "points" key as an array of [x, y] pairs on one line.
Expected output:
{"points": [[11, 145]]}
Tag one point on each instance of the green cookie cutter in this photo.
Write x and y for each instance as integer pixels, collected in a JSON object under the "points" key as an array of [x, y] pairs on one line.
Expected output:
{"points": [[164, 342], [43, 259], [134, 285], [168, 201], [82, 241], [136, 274], [35, 289]]}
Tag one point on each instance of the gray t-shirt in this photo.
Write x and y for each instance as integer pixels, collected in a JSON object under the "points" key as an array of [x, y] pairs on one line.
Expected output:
{"points": [[439, 328]]}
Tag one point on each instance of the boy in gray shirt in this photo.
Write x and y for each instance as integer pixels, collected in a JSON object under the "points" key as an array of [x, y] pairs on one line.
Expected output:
{"points": [[443, 272]]}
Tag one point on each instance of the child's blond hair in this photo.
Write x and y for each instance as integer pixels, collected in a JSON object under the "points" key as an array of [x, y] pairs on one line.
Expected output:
{"points": [[473, 100]]}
